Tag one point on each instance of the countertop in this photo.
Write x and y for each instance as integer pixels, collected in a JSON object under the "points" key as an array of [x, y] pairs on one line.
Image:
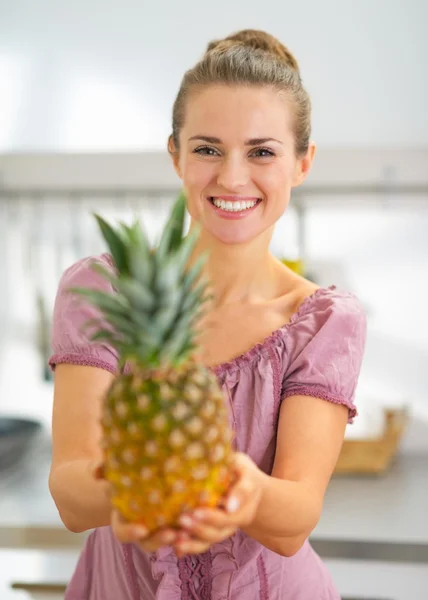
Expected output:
{"points": [[365, 518], [26, 574], [360, 509]]}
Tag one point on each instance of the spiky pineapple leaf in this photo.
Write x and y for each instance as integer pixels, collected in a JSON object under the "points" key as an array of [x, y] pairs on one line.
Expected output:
{"points": [[188, 346], [105, 336], [169, 270], [166, 277], [126, 229], [147, 327], [139, 255], [138, 296], [115, 244], [172, 234], [165, 317], [183, 253], [172, 346], [195, 298], [122, 324], [191, 275], [105, 301], [104, 272], [155, 300]]}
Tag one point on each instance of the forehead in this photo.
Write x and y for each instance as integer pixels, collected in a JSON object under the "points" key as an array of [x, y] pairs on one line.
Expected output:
{"points": [[231, 112]]}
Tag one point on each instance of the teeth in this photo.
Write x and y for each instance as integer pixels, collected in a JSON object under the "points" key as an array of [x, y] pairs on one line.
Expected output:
{"points": [[234, 206]]}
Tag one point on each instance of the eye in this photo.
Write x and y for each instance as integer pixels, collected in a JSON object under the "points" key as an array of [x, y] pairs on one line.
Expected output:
{"points": [[262, 153], [206, 151]]}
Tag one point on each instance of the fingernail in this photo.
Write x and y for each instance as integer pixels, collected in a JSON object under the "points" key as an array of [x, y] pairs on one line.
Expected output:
{"points": [[199, 514], [232, 504], [169, 537], [140, 531], [186, 521]]}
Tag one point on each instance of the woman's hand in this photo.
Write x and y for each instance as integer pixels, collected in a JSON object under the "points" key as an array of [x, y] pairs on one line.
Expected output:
{"points": [[207, 526], [202, 527], [127, 532], [135, 533]]}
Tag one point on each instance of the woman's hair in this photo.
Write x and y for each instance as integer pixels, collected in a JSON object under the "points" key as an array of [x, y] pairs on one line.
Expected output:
{"points": [[248, 58]]}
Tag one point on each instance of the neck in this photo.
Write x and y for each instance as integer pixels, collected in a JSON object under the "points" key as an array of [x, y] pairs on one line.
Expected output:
{"points": [[238, 272]]}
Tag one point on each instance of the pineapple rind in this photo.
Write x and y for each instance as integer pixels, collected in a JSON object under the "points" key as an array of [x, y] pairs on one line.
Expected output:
{"points": [[165, 466], [166, 435]]}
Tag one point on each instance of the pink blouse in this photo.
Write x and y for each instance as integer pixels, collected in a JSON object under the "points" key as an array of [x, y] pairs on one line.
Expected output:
{"points": [[318, 353]]}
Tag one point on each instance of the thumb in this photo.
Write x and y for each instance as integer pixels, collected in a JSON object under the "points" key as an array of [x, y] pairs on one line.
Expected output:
{"points": [[241, 465]]}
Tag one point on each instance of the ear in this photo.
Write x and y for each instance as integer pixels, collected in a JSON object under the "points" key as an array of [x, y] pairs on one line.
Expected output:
{"points": [[303, 166], [174, 154]]}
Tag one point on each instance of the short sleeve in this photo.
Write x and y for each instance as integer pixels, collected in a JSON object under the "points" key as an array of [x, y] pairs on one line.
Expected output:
{"points": [[69, 342], [328, 350]]}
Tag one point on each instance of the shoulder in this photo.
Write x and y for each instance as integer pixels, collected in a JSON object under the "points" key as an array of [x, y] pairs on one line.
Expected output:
{"points": [[81, 272], [312, 306], [327, 321], [320, 304], [69, 309], [69, 340]]}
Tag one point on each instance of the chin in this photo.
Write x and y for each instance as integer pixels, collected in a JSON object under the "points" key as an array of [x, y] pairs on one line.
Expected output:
{"points": [[233, 238]]}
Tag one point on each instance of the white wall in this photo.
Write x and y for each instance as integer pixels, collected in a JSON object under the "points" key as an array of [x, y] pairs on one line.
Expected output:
{"points": [[103, 75], [374, 245]]}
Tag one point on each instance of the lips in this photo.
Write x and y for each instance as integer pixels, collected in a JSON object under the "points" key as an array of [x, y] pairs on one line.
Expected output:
{"points": [[234, 203], [238, 208]]}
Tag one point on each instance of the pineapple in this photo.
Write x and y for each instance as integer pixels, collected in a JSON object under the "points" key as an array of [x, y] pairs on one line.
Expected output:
{"points": [[166, 437]]}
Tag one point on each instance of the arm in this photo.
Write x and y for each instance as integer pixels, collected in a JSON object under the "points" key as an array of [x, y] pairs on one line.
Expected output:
{"points": [[82, 501], [278, 510], [310, 437], [318, 394]]}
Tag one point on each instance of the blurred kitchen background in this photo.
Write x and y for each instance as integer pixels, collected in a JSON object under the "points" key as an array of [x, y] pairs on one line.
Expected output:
{"points": [[86, 92]]}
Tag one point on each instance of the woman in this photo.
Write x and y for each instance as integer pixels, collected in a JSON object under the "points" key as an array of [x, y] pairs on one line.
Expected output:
{"points": [[288, 351]]}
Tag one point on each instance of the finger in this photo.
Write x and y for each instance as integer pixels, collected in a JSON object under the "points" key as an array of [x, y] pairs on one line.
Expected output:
{"points": [[206, 533], [242, 464], [125, 531], [208, 516], [164, 537], [243, 488], [190, 547]]}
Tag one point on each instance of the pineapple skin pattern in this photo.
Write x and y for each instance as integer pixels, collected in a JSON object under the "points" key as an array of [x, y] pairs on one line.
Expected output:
{"points": [[167, 444], [166, 434]]}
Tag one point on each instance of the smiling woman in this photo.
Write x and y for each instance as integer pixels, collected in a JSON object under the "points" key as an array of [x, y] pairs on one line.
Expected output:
{"points": [[228, 147], [286, 352]]}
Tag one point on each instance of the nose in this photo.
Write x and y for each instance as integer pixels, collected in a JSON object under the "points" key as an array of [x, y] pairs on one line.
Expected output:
{"points": [[233, 173]]}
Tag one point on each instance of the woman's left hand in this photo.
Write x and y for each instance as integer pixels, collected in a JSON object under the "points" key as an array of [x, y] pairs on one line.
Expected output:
{"points": [[207, 526]]}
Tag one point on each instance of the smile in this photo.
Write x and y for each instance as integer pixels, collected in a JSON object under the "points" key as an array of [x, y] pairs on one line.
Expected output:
{"points": [[234, 205]]}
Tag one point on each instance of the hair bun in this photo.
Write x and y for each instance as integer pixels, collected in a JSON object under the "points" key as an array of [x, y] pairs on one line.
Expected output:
{"points": [[258, 40]]}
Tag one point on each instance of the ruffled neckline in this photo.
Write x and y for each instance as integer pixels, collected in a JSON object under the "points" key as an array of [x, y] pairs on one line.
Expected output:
{"points": [[272, 339]]}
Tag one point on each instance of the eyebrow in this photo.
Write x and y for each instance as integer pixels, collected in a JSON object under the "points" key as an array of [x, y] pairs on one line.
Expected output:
{"points": [[215, 140]]}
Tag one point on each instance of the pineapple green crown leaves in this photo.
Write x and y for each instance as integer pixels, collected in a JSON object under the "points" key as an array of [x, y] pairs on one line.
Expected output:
{"points": [[149, 316]]}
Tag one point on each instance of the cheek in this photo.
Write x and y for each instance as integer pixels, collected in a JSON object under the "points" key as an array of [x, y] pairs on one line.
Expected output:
{"points": [[197, 178], [276, 185], [197, 174]]}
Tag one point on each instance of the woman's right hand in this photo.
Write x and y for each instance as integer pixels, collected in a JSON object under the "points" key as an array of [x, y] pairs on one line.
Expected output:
{"points": [[135, 533], [127, 532]]}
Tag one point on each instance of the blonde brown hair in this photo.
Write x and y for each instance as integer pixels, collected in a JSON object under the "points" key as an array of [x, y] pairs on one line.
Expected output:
{"points": [[251, 58]]}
